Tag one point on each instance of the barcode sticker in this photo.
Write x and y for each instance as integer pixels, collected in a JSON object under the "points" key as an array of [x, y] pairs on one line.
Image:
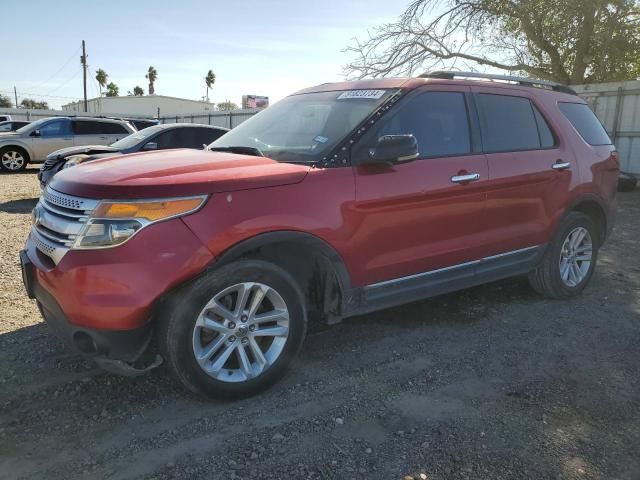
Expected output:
{"points": [[364, 94]]}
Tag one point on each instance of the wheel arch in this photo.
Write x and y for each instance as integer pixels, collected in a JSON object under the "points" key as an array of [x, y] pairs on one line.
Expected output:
{"points": [[592, 206], [18, 146], [313, 262]]}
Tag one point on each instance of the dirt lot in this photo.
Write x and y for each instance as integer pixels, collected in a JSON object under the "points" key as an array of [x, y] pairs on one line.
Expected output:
{"points": [[493, 383]]}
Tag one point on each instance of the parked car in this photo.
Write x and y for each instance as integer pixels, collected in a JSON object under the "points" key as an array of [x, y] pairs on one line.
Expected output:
{"points": [[12, 125], [159, 137], [32, 143], [5, 118], [339, 200]]}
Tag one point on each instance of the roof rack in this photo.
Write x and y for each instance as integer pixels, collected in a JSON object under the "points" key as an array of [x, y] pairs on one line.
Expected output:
{"points": [[529, 82]]}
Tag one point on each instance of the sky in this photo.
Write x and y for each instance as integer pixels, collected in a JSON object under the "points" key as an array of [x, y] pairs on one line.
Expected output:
{"points": [[270, 48]]}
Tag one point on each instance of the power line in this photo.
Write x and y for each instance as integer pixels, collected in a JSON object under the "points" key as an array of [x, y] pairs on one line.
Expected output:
{"points": [[67, 82], [59, 70], [39, 94]]}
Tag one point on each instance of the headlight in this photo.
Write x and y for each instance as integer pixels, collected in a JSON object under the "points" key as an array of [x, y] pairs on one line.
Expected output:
{"points": [[74, 160], [113, 223]]}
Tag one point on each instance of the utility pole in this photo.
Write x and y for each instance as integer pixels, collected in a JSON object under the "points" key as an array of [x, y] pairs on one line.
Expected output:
{"points": [[15, 94], [83, 61]]}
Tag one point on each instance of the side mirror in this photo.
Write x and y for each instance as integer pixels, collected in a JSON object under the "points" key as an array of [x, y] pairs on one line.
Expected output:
{"points": [[150, 146], [35, 133], [391, 149]]}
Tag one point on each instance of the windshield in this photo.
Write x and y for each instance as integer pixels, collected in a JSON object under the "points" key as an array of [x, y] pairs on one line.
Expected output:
{"points": [[135, 138], [303, 128]]}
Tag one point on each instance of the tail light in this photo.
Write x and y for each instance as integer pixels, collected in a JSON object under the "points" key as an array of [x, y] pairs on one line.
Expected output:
{"points": [[616, 158]]}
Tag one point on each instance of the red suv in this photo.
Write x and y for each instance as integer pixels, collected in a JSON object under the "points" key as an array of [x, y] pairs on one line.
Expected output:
{"points": [[339, 200]]}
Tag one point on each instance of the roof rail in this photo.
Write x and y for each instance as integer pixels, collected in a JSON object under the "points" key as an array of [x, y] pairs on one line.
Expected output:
{"points": [[529, 82]]}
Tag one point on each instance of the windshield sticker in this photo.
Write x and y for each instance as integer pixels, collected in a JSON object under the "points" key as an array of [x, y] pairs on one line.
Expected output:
{"points": [[321, 139], [365, 94]]}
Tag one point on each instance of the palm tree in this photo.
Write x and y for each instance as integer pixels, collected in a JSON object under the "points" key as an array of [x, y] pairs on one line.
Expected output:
{"points": [[101, 78], [152, 76], [210, 79]]}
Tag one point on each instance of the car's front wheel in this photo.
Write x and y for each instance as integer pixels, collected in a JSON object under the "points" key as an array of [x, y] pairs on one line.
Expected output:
{"points": [[13, 159], [570, 258], [235, 331]]}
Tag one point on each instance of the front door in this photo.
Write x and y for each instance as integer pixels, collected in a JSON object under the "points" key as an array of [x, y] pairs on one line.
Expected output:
{"points": [[51, 136], [429, 213]]}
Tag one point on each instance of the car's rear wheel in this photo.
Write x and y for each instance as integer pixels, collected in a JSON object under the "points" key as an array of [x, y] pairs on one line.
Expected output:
{"points": [[13, 159], [570, 258], [235, 331]]}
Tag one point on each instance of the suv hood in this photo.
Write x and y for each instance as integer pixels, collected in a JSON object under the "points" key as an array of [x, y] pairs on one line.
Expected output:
{"points": [[85, 149], [170, 173]]}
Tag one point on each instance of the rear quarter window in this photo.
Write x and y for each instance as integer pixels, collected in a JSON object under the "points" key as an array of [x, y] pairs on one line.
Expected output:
{"points": [[586, 123]]}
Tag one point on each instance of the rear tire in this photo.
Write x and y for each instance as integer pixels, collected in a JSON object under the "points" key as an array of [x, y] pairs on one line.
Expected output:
{"points": [[250, 311], [13, 159], [570, 258]]}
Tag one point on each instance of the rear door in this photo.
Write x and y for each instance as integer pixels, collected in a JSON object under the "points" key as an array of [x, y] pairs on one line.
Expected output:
{"points": [[112, 132], [52, 136], [418, 216], [87, 132], [530, 170]]}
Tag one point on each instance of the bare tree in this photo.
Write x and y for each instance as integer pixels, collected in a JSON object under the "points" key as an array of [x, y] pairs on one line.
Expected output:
{"points": [[570, 41]]}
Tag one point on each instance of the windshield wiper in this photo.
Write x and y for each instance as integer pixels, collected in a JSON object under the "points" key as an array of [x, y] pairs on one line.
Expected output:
{"points": [[239, 150]]}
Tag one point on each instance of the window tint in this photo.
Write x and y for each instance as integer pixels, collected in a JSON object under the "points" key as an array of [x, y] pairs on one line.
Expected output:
{"points": [[56, 128], [586, 123], [113, 128], [508, 123], [84, 127], [167, 139], [438, 120], [546, 137], [208, 135]]}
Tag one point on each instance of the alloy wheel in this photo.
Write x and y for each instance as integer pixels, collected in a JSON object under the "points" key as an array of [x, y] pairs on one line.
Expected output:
{"points": [[12, 160], [576, 256], [241, 332]]}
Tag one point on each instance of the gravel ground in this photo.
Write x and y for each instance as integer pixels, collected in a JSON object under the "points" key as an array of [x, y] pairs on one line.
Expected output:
{"points": [[492, 383]]}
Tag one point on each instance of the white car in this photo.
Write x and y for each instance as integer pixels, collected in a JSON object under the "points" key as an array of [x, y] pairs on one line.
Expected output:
{"points": [[32, 144]]}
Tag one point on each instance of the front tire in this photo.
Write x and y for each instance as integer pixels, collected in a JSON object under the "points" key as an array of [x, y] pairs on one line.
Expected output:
{"points": [[13, 159], [570, 258], [234, 331]]}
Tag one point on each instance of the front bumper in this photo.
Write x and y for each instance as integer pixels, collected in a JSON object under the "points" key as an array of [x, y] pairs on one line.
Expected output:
{"points": [[115, 289]]}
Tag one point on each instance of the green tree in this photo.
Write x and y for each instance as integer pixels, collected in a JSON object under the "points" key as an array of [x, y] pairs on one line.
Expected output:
{"points": [[33, 104], [112, 90], [101, 78], [152, 76], [227, 105], [138, 91], [573, 41], [210, 79], [5, 102]]}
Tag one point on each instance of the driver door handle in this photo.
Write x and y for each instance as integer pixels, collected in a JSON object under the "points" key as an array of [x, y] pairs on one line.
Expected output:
{"points": [[469, 177], [560, 165]]}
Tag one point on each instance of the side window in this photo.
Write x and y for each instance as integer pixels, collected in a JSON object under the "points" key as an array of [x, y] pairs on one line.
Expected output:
{"points": [[507, 123], [586, 123], [55, 128], [110, 128], [84, 127], [438, 120], [167, 139], [208, 135], [546, 136]]}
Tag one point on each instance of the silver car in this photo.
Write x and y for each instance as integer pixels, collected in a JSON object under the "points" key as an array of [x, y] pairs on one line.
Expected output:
{"points": [[32, 144]]}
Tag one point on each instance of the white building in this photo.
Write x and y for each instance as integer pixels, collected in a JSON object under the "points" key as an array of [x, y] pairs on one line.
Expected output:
{"points": [[147, 105]]}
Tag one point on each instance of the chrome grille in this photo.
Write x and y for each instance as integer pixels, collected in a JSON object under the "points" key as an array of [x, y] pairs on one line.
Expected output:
{"points": [[58, 218]]}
